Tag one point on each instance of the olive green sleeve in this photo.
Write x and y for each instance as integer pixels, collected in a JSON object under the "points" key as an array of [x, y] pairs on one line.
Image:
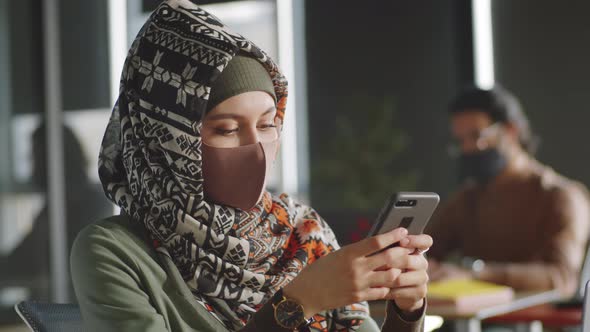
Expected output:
{"points": [[396, 321], [108, 288]]}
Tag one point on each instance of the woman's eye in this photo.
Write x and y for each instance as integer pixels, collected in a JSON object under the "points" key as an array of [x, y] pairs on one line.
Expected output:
{"points": [[267, 126], [225, 132]]}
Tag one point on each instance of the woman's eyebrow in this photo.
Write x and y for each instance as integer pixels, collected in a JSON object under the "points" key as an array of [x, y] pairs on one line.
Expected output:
{"points": [[236, 116], [269, 110]]}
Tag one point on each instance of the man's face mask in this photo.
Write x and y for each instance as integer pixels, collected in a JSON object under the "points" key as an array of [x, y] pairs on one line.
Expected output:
{"points": [[482, 166], [237, 176], [488, 161]]}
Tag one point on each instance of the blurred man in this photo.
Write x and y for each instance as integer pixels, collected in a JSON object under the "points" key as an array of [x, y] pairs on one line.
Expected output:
{"points": [[514, 221], [28, 263]]}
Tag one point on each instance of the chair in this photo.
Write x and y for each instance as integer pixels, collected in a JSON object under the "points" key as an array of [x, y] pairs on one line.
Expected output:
{"points": [[50, 317]]}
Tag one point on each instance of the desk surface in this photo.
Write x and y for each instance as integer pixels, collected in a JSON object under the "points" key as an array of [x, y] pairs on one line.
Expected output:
{"points": [[521, 301], [545, 313]]}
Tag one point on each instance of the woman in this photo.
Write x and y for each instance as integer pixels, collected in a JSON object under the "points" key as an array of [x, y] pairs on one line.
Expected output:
{"points": [[200, 246]]}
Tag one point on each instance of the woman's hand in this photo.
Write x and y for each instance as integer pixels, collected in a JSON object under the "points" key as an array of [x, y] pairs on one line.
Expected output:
{"points": [[409, 289], [352, 274]]}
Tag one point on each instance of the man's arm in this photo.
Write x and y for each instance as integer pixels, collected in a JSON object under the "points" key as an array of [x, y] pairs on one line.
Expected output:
{"points": [[558, 263]]}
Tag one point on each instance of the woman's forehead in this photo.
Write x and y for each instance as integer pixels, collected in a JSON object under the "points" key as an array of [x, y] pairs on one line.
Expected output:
{"points": [[245, 105]]}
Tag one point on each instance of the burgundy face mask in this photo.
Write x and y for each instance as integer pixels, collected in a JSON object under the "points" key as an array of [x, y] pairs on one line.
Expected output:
{"points": [[237, 176]]}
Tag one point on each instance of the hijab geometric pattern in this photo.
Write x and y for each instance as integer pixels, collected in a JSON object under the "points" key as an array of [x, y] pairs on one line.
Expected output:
{"points": [[150, 166]]}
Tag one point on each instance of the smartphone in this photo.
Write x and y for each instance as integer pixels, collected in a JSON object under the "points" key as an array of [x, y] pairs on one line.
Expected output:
{"points": [[411, 210]]}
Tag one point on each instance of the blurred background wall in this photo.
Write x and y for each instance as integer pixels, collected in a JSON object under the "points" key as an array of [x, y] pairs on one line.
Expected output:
{"points": [[401, 62]]}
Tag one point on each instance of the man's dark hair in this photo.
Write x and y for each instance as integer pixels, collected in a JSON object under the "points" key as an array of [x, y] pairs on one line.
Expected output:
{"points": [[501, 105]]}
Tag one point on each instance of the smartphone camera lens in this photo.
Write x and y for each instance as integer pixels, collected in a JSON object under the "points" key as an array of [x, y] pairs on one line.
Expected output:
{"points": [[406, 203]]}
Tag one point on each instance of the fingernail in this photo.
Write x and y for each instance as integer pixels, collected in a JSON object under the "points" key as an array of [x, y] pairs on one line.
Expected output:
{"points": [[404, 231], [404, 241]]}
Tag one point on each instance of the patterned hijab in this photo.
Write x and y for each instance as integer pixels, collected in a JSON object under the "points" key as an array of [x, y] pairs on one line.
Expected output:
{"points": [[150, 166]]}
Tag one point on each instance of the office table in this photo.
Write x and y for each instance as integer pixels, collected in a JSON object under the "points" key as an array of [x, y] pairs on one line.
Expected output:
{"points": [[471, 321]]}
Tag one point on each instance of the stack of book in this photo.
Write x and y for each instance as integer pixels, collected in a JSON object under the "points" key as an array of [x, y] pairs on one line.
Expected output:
{"points": [[467, 295]]}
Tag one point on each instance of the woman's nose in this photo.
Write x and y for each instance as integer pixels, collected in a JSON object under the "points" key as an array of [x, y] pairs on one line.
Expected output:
{"points": [[249, 136]]}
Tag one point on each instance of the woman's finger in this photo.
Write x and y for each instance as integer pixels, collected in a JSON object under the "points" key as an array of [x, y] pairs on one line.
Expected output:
{"points": [[409, 279], [377, 293], [416, 262], [421, 242], [395, 257], [398, 258], [385, 278], [378, 242], [410, 294]]}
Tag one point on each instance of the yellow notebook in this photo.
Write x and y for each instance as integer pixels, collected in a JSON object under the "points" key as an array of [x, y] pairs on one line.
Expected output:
{"points": [[466, 295]]}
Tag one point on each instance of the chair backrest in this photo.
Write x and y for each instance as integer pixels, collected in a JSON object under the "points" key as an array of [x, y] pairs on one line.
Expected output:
{"points": [[584, 274], [50, 317], [586, 309]]}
